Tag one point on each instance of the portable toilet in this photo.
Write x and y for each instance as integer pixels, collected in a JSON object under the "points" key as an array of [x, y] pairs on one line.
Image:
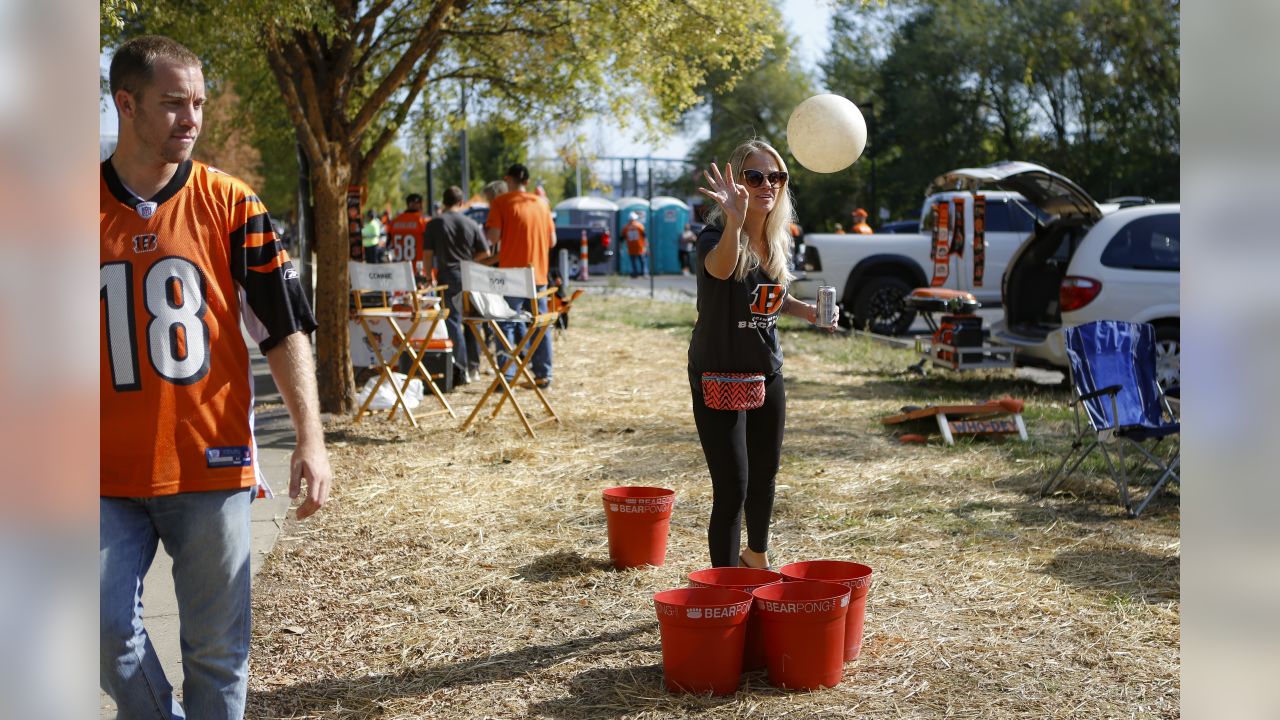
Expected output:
{"points": [[626, 206], [667, 218]]}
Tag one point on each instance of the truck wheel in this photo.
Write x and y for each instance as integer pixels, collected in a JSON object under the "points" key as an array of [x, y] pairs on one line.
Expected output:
{"points": [[879, 307]]}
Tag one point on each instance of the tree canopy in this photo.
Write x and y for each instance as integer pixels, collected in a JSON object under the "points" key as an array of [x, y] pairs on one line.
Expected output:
{"points": [[1088, 88], [350, 73]]}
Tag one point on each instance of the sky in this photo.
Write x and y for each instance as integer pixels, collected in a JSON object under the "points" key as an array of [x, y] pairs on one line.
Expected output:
{"points": [[807, 20]]}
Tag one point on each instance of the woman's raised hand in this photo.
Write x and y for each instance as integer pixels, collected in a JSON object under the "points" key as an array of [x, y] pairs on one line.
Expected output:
{"points": [[731, 196]]}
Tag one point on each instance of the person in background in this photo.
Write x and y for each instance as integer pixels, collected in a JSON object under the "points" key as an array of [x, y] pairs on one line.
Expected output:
{"points": [[493, 190], [637, 248], [406, 240], [520, 227], [372, 239], [839, 229], [452, 239], [189, 252], [742, 290], [687, 241], [860, 226]]}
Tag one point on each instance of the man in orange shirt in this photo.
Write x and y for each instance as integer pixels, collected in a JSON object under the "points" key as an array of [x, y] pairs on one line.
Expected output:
{"points": [[520, 226], [633, 233], [406, 237], [860, 226], [186, 253]]}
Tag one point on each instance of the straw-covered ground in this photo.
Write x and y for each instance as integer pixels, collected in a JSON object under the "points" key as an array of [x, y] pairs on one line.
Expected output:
{"points": [[466, 574]]}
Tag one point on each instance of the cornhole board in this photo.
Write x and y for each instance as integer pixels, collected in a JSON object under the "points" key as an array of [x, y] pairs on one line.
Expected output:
{"points": [[989, 418]]}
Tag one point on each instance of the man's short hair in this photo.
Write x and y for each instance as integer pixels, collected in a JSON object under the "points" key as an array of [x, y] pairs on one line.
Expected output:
{"points": [[518, 172], [452, 196], [412, 198], [133, 65]]}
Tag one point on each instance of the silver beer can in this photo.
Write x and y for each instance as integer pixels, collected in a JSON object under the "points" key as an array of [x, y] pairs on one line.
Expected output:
{"points": [[826, 305]]}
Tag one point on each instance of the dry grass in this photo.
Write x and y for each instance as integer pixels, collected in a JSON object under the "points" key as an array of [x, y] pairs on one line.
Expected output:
{"points": [[466, 575]]}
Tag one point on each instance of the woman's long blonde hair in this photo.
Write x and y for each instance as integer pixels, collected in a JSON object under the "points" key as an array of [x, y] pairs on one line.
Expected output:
{"points": [[777, 224]]}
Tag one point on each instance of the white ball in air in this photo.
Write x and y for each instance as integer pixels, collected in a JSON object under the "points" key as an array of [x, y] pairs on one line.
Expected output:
{"points": [[826, 133]]}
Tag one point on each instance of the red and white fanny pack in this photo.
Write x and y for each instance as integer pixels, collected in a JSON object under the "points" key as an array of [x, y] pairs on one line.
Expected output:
{"points": [[732, 391]]}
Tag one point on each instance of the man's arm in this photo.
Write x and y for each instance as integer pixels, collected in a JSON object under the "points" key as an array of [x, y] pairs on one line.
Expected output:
{"points": [[293, 369], [494, 236]]}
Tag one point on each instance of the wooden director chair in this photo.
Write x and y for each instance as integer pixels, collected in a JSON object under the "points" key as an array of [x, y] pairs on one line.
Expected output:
{"points": [[401, 303], [483, 303]]}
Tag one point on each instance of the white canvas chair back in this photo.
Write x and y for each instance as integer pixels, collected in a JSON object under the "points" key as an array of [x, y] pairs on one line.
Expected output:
{"points": [[381, 277], [487, 287]]}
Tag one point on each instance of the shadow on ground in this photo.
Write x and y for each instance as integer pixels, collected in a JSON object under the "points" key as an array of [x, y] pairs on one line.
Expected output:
{"points": [[365, 696], [560, 565], [1124, 574]]}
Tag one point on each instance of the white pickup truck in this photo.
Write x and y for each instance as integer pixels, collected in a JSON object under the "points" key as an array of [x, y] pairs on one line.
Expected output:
{"points": [[873, 273]]}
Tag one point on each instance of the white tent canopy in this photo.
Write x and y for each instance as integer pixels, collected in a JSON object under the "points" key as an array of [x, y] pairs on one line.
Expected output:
{"points": [[587, 202]]}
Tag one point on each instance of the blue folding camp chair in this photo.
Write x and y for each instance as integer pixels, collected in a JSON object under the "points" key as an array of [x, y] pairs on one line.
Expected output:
{"points": [[1113, 374]]}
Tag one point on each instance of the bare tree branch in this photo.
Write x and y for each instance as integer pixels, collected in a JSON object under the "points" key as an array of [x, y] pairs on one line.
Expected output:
{"points": [[428, 37], [311, 143]]}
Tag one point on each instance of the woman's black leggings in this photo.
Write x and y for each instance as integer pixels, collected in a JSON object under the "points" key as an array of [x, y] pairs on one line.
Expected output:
{"points": [[743, 449]]}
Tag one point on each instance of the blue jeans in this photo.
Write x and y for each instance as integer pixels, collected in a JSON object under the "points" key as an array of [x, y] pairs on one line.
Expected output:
{"points": [[639, 265], [515, 332], [466, 353], [207, 535]]}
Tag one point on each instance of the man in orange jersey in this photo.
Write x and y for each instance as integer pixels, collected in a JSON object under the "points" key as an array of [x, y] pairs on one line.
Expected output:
{"points": [[633, 234], [406, 237], [520, 226], [187, 252]]}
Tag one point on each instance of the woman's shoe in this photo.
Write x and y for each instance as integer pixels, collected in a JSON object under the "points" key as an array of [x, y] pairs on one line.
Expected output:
{"points": [[743, 560]]}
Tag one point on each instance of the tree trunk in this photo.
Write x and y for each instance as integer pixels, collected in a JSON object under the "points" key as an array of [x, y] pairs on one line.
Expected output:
{"points": [[336, 381]]}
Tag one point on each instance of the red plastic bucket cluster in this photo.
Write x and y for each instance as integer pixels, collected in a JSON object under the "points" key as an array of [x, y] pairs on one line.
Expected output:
{"points": [[803, 632], [638, 518], [703, 632], [855, 576], [747, 580]]}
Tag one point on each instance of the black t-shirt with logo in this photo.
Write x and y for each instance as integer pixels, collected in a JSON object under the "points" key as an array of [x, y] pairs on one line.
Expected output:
{"points": [[454, 238], [736, 327]]}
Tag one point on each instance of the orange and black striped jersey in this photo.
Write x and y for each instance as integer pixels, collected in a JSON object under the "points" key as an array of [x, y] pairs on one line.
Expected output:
{"points": [[405, 240], [178, 273]]}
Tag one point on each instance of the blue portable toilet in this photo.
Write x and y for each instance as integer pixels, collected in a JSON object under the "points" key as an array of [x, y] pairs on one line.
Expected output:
{"points": [[626, 206], [667, 218]]}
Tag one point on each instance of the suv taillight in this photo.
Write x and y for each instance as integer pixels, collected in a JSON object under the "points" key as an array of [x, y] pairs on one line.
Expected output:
{"points": [[1076, 292]]}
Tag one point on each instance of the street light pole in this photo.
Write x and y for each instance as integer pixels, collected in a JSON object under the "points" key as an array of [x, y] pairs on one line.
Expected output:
{"points": [[871, 153], [466, 160]]}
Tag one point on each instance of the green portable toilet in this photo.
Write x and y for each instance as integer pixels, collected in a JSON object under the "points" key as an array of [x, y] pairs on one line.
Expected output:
{"points": [[667, 218]]}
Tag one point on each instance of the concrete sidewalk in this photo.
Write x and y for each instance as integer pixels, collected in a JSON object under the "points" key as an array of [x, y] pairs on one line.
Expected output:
{"points": [[275, 443]]}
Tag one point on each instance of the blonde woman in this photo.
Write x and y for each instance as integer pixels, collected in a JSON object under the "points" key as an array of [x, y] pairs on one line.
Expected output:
{"points": [[742, 289]]}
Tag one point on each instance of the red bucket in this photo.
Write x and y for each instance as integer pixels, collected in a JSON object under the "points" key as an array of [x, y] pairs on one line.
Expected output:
{"points": [[638, 518], [745, 579], [803, 632], [855, 576], [703, 631]]}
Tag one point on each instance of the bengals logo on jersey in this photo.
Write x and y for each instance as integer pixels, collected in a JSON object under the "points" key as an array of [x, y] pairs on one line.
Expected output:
{"points": [[144, 243], [767, 299]]}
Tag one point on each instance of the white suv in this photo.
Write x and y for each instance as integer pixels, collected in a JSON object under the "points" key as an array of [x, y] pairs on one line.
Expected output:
{"points": [[1125, 267]]}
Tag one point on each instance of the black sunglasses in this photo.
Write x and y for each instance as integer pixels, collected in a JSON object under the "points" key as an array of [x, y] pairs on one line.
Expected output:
{"points": [[755, 178]]}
